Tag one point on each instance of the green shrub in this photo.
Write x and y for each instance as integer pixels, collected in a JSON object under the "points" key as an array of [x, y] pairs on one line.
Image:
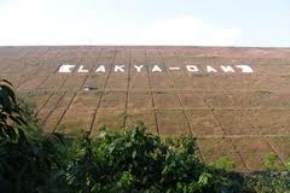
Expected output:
{"points": [[25, 162], [223, 163], [271, 162], [269, 182], [135, 161]]}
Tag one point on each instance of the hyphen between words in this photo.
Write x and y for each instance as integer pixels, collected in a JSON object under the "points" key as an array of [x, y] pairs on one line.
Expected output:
{"points": [[242, 68]]}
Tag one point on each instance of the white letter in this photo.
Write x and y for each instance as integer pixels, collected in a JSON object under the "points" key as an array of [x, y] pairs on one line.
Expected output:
{"points": [[156, 68], [210, 69], [119, 68], [227, 68], [245, 68], [138, 68], [66, 68], [82, 69], [192, 68], [101, 69]]}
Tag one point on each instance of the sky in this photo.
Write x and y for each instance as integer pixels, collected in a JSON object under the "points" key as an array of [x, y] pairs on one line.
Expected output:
{"points": [[253, 23]]}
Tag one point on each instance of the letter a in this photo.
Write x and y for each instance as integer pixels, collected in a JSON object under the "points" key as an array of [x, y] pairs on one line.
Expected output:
{"points": [[101, 69], [156, 68], [210, 69]]}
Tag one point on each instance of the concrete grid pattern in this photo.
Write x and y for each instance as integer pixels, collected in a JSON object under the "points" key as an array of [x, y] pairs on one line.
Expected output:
{"points": [[242, 116]]}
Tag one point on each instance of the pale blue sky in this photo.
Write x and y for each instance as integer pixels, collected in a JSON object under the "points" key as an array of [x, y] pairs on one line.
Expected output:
{"points": [[148, 22]]}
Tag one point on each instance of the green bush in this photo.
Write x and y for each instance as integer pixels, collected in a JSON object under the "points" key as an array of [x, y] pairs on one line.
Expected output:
{"points": [[269, 182], [223, 163], [271, 162], [134, 161], [25, 162]]}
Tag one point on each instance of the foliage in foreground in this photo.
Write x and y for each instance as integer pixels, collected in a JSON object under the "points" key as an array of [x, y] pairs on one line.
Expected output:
{"points": [[130, 161]]}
